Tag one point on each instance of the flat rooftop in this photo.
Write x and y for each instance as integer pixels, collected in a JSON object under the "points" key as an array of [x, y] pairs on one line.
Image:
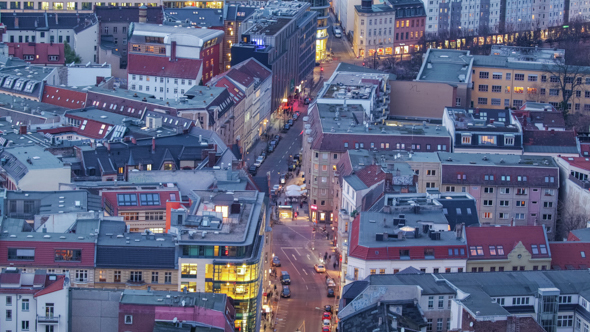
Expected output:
{"points": [[113, 233], [483, 120], [350, 120], [272, 18], [452, 66], [39, 158], [20, 230], [214, 301], [159, 30], [528, 54], [234, 229], [483, 159], [367, 156]]}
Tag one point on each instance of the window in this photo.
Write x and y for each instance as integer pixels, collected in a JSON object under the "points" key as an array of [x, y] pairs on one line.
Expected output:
{"points": [[496, 88], [543, 248], [117, 276], [520, 300], [500, 250], [547, 217], [81, 276], [565, 321], [8, 300], [429, 253], [488, 190], [565, 299], [167, 277], [441, 302], [553, 92], [154, 277], [521, 191], [189, 270], [25, 304], [476, 250], [487, 140], [504, 203], [25, 325], [488, 202], [508, 76], [503, 215], [127, 199], [381, 271], [439, 323], [497, 76], [128, 319], [484, 74], [69, 255], [483, 88], [482, 101], [489, 177], [430, 302], [519, 77], [149, 199], [547, 204], [549, 179], [8, 314], [496, 101], [492, 250], [532, 78], [21, 254], [136, 276], [508, 140], [520, 203]]}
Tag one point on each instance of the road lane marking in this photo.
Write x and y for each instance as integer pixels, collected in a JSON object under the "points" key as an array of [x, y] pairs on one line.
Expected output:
{"points": [[290, 261], [295, 258], [297, 251], [306, 287], [304, 271], [308, 257]]}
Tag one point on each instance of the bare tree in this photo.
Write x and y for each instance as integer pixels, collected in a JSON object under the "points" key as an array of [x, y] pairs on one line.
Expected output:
{"points": [[566, 79], [571, 217]]}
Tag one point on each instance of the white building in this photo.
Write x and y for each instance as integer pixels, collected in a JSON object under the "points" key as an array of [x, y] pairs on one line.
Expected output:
{"points": [[167, 61], [79, 31], [33, 301]]}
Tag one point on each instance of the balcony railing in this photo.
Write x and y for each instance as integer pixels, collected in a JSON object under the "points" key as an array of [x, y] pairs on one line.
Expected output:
{"points": [[52, 319], [135, 282], [581, 183]]}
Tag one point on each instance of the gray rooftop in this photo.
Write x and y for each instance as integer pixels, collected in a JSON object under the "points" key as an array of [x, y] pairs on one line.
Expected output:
{"points": [[59, 201], [429, 284], [351, 117], [20, 230], [159, 30], [367, 156], [235, 229], [450, 66], [528, 54], [273, 17], [213, 301], [113, 233], [355, 182], [488, 159], [582, 234]]}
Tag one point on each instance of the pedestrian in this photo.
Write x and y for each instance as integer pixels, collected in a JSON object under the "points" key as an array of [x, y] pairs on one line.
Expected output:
{"points": [[330, 256], [326, 277], [275, 287], [334, 265]]}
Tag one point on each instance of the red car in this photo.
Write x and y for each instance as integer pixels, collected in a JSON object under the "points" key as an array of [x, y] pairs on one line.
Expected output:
{"points": [[326, 329], [327, 315]]}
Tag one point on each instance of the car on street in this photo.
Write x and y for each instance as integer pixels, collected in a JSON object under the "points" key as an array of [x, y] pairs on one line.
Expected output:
{"points": [[263, 154], [276, 261], [253, 169], [327, 315], [330, 292], [337, 33], [285, 278], [290, 122], [276, 187], [286, 292], [286, 127], [326, 329], [259, 161], [319, 268], [277, 138], [326, 323], [328, 308], [295, 115]]}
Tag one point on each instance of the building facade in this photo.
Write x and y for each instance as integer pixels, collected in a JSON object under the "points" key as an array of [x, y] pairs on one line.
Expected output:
{"points": [[410, 20], [374, 30]]}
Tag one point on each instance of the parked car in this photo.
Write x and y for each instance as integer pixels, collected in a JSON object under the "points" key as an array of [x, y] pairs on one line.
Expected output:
{"points": [[295, 115], [319, 268], [286, 292], [326, 329], [286, 127], [277, 138], [276, 261], [263, 154], [259, 161], [328, 308], [253, 169], [326, 323], [337, 33], [285, 278], [330, 292], [290, 122], [327, 315]]}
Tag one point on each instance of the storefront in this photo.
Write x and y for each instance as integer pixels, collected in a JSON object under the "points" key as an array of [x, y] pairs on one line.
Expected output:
{"points": [[285, 212]]}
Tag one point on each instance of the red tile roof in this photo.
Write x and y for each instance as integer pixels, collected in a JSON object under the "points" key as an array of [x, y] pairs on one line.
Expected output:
{"points": [[508, 237], [580, 162], [252, 68], [10, 278], [40, 52], [64, 97], [371, 175], [55, 286], [237, 94], [240, 77], [585, 149], [161, 66], [570, 255], [549, 138]]}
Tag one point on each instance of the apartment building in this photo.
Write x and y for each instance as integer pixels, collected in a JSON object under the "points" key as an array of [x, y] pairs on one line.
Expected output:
{"points": [[410, 25], [505, 248], [283, 37], [402, 231], [512, 76], [167, 61], [69, 253], [509, 189], [374, 29], [142, 207], [33, 301], [221, 248], [483, 130], [134, 260], [574, 184]]}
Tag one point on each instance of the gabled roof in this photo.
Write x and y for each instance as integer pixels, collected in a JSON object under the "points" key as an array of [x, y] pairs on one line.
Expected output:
{"points": [[39, 51], [570, 255], [161, 66], [508, 237], [64, 97], [55, 286], [46, 21], [237, 94], [371, 175], [582, 234], [579, 162]]}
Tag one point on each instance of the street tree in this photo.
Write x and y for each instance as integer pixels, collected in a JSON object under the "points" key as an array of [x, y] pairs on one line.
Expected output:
{"points": [[71, 56], [566, 79]]}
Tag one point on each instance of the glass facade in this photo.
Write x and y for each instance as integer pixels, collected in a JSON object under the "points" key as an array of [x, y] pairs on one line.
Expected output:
{"points": [[215, 251], [240, 282], [321, 7]]}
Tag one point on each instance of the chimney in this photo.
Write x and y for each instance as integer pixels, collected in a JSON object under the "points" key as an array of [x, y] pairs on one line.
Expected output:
{"points": [[16, 22], [366, 4], [143, 14], [133, 140], [22, 130], [212, 160], [108, 145], [153, 145], [173, 51]]}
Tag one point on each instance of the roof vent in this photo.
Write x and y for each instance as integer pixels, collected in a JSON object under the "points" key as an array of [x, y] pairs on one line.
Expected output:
{"points": [[80, 238], [62, 237], [12, 235], [160, 239], [29, 235], [47, 236]]}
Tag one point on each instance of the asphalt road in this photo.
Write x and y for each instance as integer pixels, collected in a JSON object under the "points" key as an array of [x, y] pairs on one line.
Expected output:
{"points": [[292, 244]]}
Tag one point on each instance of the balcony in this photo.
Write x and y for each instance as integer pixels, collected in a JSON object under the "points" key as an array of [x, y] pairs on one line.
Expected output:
{"points": [[52, 319], [583, 184]]}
